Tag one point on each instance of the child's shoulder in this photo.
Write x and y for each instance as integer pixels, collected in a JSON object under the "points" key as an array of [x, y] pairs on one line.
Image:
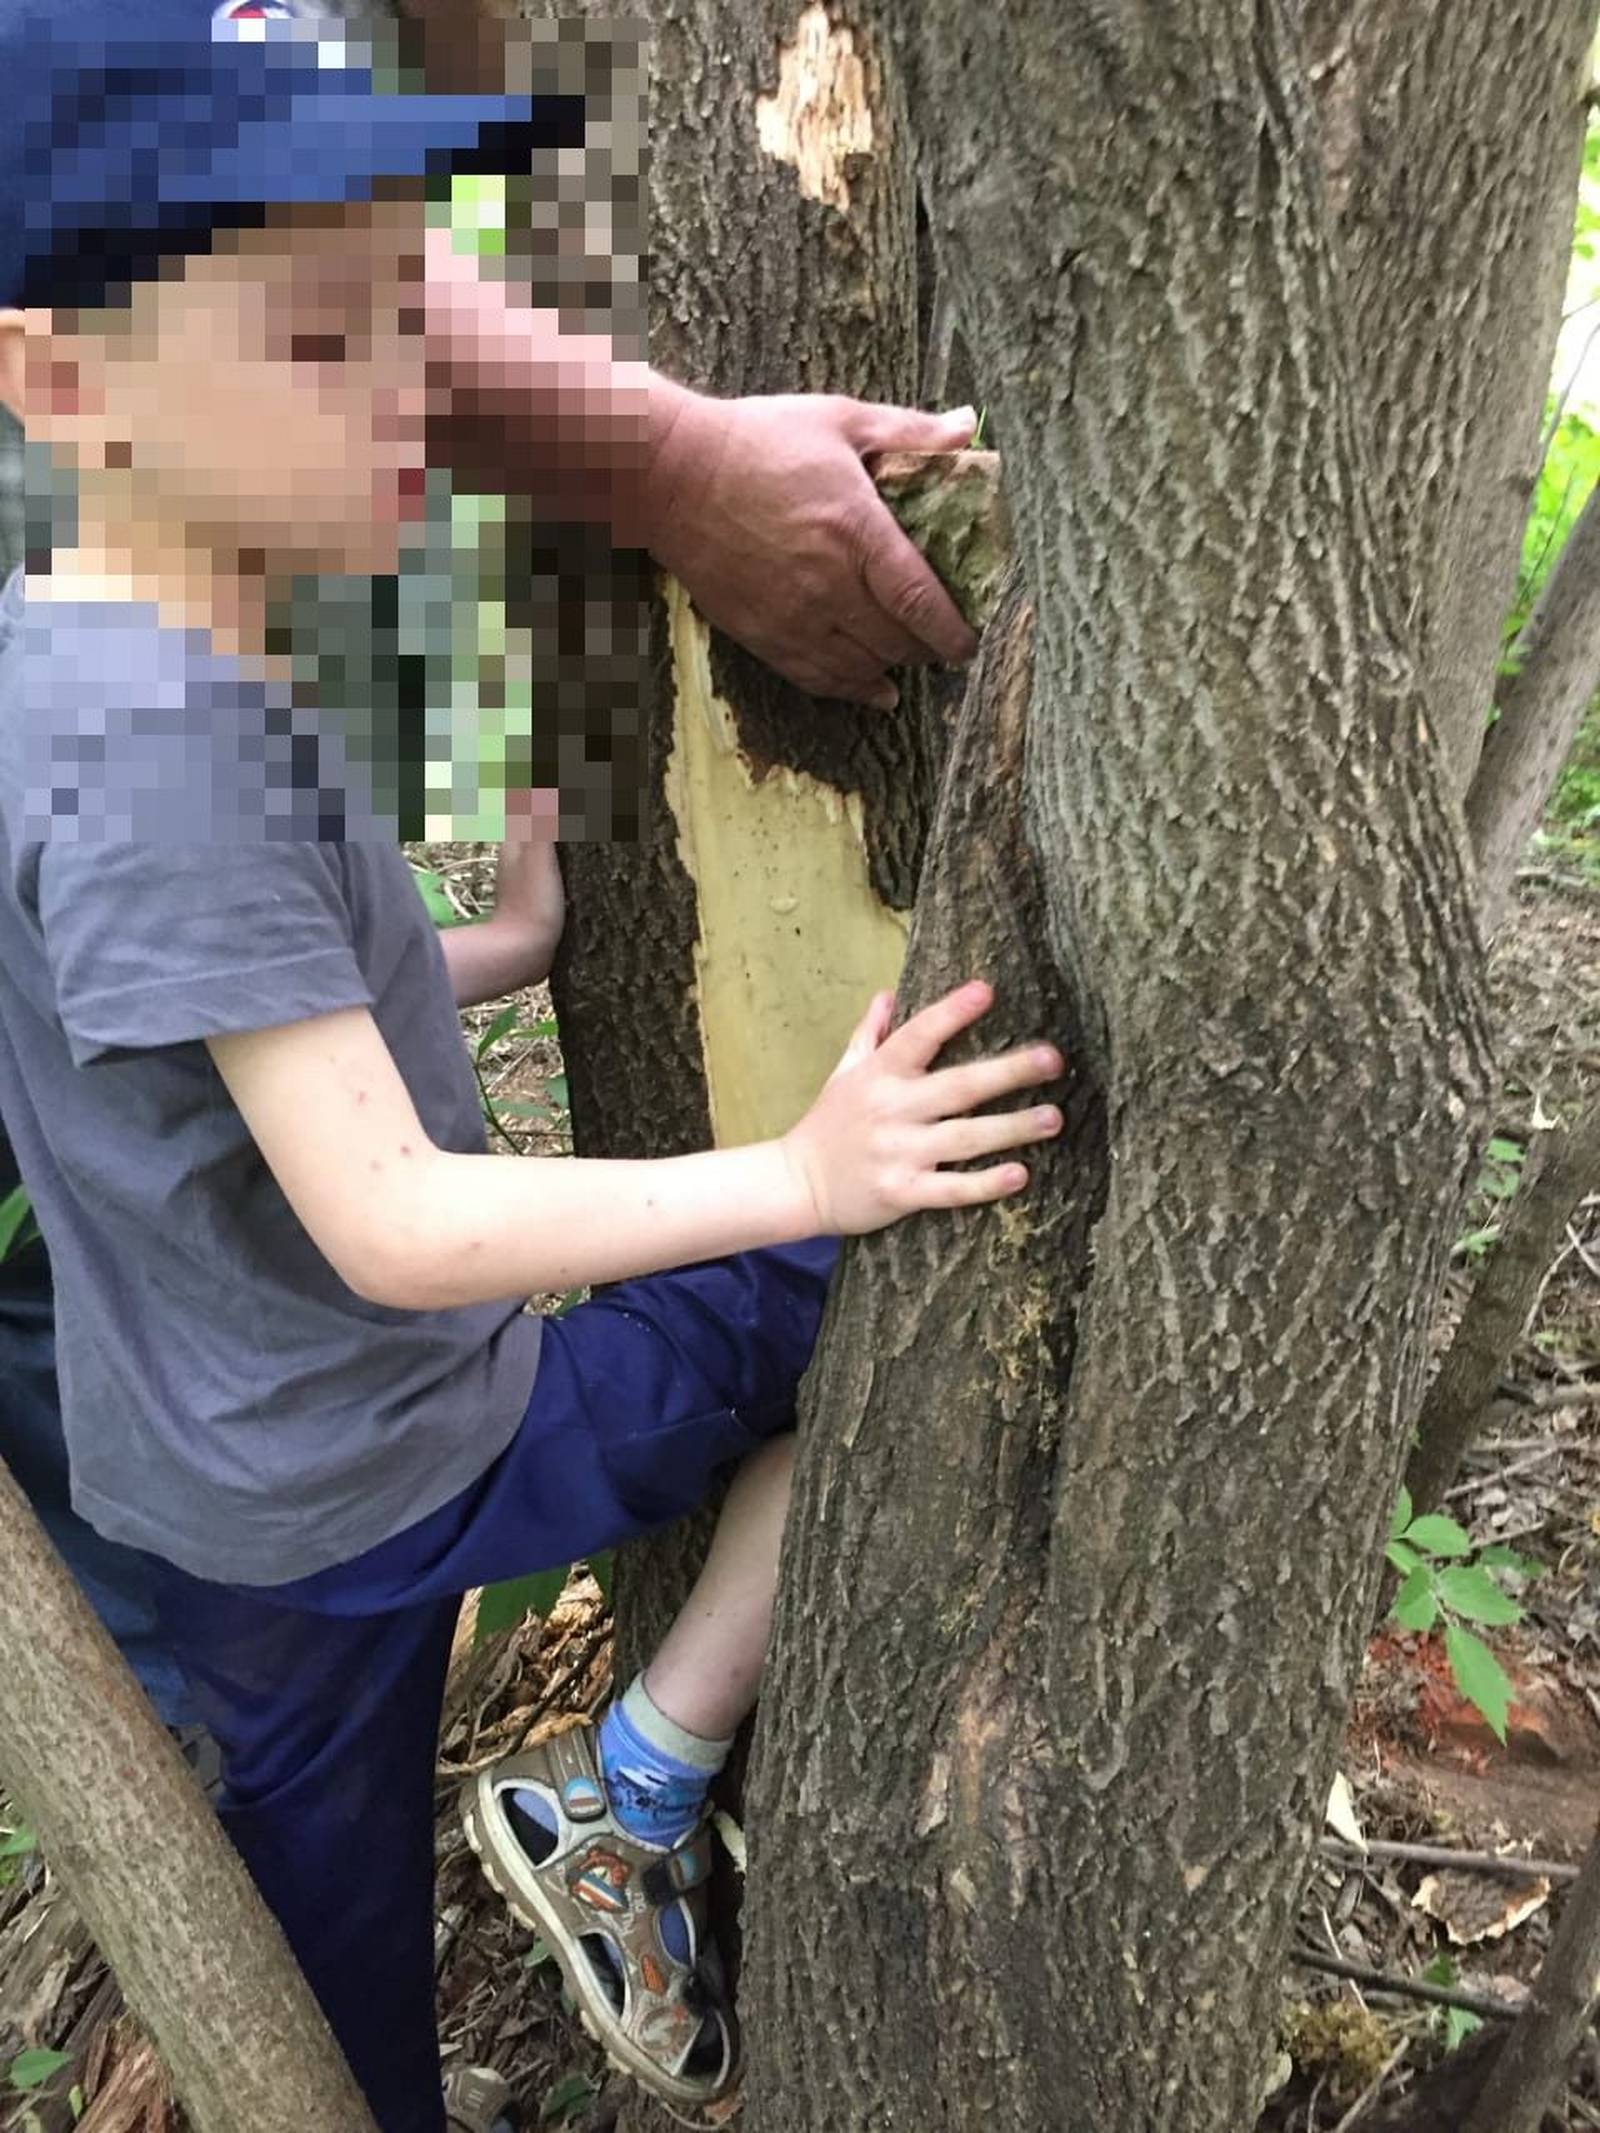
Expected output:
{"points": [[165, 738]]}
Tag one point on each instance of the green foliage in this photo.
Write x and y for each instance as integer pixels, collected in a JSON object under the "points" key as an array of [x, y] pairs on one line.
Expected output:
{"points": [[32, 2069], [432, 889], [15, 1846], [1455, 2024], [1498, 1180], [16, 1222], [503, 1606], [1437, 1584], [572, 2094]]}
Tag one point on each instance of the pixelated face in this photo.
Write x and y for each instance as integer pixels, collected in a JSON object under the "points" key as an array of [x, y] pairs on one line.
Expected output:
{"points": [[269, 398]]}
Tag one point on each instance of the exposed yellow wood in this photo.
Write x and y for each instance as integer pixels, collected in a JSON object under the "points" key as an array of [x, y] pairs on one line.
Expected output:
{"points": [[820, 114], [793, 941]]}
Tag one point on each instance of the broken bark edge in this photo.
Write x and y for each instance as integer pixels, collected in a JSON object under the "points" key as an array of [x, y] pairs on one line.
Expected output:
{"points": [[952, 506]]}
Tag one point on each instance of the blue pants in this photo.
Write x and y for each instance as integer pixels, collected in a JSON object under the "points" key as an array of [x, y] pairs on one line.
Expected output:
{"points": [[115, 1580], [324, 1694]]}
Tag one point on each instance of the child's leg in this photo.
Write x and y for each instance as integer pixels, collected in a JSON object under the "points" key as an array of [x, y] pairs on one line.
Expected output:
{"points": [[328, 1729], [705, 1675]]}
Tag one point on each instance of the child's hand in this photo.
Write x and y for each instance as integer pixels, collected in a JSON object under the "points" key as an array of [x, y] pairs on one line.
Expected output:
{"points": [[529, 901], [516, 944], [870, 1147]]}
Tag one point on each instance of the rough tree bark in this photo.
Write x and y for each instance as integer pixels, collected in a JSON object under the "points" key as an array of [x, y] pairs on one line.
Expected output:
{"points": [[1090, 1488], [1561, 1173], [772, 891], [139, 1852], [1529, 2071], [1541, 706], [1452, 139]]}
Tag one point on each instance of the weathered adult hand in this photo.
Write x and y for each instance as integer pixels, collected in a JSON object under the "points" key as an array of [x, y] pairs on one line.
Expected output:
{"points": [[764, 511]]}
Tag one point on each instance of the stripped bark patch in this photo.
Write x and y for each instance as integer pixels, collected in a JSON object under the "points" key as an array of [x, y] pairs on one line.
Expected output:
{"points": [[819, 115]]}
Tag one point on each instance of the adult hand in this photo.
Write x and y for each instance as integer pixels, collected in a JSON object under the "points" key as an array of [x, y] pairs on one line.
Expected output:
{"points": [[764, 511]]}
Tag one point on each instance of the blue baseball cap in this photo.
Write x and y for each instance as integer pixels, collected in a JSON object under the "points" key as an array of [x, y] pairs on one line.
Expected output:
{"points": [[137, 130]]}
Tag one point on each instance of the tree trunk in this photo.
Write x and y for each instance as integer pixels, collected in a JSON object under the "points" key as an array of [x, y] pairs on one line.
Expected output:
{"points": [[1452, 139], [1541, 706], [1091, 1488], [137, 1849], [1564, 1170], [769, 896], [1529, 2072]]}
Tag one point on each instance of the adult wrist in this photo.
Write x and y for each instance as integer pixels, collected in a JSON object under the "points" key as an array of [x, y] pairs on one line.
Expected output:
{"points": [[676, 451]]}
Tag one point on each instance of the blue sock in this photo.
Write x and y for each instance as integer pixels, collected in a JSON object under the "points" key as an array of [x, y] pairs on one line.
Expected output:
{"points": [[656, 1774], [656, 1778]]}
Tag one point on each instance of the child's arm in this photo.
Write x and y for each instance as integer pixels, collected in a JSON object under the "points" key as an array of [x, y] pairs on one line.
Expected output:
{"points": [[416, 1227], [516, 944]]}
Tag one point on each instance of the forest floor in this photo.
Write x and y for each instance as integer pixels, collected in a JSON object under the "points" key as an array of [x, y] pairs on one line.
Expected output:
{"points": [[1420, 1765]]}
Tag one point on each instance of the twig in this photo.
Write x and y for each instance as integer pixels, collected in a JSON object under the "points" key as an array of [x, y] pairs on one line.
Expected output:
{"points": [[1546, 1451], [1583, 1252], [1409, 1988], [1472, 1862], [1370, 2094], [1544, 1399]]}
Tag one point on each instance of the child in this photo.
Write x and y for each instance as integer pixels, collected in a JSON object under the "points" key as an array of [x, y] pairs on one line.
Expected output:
{"points": [[501, 953], [295, 1367]]}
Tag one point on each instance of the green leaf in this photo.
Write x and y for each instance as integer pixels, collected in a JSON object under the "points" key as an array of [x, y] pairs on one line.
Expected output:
{"points": [[1500, 1557], [1441, 1971], [533, 1032], [430, 886], [31, 2070], [501, 1026], [1402, 1514], [1415, 1606], [15, 1211], [555, 1088], [1511, 1152], [503, 1606], [569, 2095], [602, 1568], [1498, 1184], [1404, 1559], [537, 1956], [1467, 1590], [1437, 1535], [1459, 2023], [18, 1843], [1479, 1676], [1475, 1242]]}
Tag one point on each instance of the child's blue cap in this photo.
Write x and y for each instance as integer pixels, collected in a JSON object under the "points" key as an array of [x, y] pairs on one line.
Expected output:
{"points": [[136, 130]]}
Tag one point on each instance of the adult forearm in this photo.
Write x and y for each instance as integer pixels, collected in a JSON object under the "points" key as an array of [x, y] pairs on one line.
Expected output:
{"points": [[535, 410], [467, 1229]]}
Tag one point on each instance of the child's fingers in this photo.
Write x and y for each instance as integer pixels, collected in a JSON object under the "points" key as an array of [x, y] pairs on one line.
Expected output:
{"points": [[951, 1090], [961, 1140], [917, 1043], [971, 1188], [868, 1033]]}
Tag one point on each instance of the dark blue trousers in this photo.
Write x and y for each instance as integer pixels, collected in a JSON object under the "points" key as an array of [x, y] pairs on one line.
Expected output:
{"points": [[324, 1694], [115, 1580]]}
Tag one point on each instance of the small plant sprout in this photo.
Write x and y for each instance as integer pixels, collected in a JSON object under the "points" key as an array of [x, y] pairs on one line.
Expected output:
{"points": [[1440, 1585]]}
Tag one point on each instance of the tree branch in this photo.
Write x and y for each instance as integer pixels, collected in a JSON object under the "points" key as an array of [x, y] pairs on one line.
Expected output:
{"points": [[1530, 2068], [138, 1850], [1559, 1175], [1541, 707]]}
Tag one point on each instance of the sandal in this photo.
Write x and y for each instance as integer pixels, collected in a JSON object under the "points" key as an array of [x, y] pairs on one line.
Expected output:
{"points": [[476, 2100], [597, 1895]]}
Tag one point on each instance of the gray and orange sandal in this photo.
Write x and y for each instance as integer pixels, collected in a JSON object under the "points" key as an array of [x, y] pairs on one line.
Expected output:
{"points": [[478, 2100], [598, 1896]]}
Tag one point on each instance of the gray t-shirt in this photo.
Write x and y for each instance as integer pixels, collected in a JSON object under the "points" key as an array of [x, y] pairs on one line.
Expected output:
{"points": [[229, 1403]]}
